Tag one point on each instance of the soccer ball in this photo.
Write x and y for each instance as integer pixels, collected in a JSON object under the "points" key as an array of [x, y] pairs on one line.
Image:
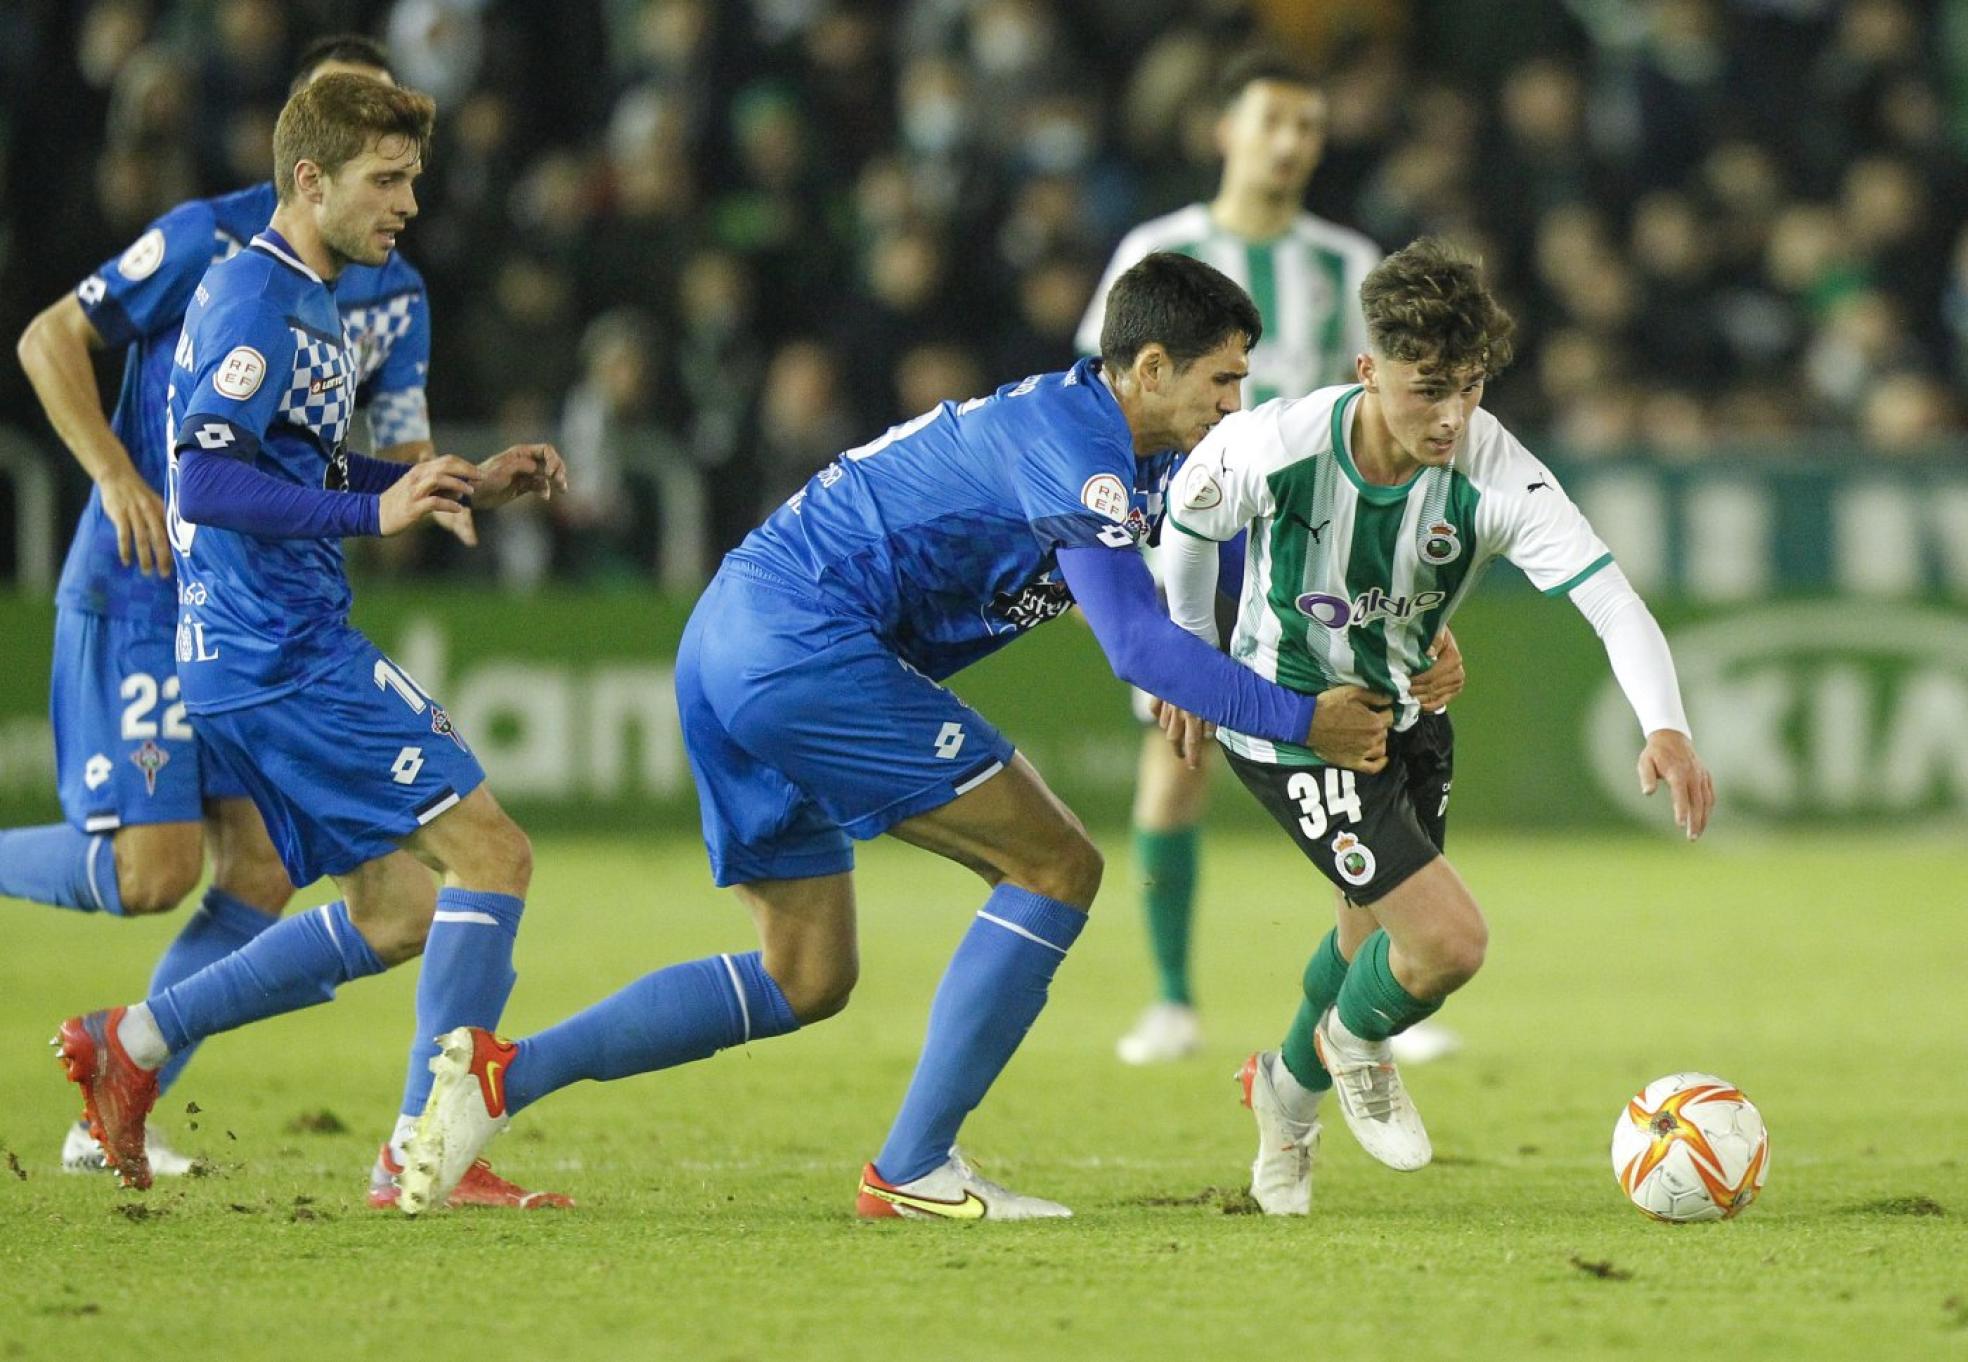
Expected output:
{"points": [[1690, 1147]]}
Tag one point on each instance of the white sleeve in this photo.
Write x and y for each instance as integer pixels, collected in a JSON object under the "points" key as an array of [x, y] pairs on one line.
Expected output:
{"points": [[1222, 485], [1536, 526], [1635, 646], [1190, 568]]}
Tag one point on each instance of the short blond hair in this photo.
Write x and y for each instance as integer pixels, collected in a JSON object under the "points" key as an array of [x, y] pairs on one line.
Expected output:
{"points": [[335, 119]]}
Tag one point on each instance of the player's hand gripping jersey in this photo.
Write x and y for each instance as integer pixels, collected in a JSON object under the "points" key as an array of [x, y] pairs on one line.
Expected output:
{"points": [[266, 373], [1348, 582], [942, 535]]}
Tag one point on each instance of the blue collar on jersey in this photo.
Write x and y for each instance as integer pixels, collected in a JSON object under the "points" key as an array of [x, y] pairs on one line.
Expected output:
{"points": [[272, 243]]}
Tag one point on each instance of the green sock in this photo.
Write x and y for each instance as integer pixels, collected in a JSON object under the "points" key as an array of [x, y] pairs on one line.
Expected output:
{"points": [[1324, 973], [1168, 894], [1372, 1002]]}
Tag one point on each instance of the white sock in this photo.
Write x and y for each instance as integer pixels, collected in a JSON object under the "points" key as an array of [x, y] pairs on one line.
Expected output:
{"points": [[404, 1125], [140, 1038], [1300, 1102]]}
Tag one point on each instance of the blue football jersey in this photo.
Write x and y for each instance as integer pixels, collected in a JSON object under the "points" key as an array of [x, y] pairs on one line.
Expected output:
{"points": [[265, 371], [943, 533], [137, 302]]}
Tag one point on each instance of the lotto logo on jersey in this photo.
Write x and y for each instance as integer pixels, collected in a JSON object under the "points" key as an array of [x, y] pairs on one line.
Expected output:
{"points": [[1336, 612], [240, 373]]}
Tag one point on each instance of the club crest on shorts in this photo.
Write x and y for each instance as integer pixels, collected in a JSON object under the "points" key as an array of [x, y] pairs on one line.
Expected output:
{"points": [[150, 759], [441, 725], [1440, 545], [1352, 858]]}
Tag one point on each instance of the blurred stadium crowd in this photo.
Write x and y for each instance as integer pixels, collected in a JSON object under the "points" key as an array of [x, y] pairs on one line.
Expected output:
{"points": [[709, 243]]}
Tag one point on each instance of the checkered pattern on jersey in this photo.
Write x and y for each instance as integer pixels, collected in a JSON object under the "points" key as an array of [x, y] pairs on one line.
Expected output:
{"points": [[397, 418], [375, 329], [321, 393]]}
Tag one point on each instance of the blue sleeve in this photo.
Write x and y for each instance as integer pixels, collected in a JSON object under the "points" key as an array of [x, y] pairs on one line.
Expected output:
{"points": [[147, 288], [1074, 484], [373, 475], [231, 494], [399, 413], [1148, 649], [236, 358], [1230, 555]]}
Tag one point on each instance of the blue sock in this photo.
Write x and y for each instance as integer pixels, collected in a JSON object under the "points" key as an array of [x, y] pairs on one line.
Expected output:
{"points": [[220, 926], [56, 864], [295, 963], [663, 1019], [465, 979], [989, 997]]}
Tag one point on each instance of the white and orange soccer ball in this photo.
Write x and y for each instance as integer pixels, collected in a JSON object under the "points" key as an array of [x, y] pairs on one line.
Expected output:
{"points": [[1690, 1147]]}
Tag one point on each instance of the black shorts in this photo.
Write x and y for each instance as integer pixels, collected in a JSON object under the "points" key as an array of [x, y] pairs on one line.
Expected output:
{"points": [[1366, 833]]}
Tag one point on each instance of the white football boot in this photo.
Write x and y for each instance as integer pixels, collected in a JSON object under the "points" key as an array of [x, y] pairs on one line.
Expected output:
{"points": [[465, 1110], [1372, 1097], [1424, 1043], [950, 1191], [1281, 1175], [81, 1154], [1163, 1034]]}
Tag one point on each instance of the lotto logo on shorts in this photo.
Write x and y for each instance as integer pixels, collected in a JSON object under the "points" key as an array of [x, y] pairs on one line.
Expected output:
{"points": [[950, 741]]}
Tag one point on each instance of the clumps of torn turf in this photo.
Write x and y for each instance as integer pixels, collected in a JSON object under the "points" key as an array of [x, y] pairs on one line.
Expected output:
{"points": [[1228, 1200], [320, 1122]]}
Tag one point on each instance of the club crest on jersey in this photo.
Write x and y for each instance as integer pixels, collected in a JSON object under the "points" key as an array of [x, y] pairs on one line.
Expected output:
{"points": [[1439, 544], [441, 725], [1336, 612], [1352, 858], [150, 759], [1106, 495]]}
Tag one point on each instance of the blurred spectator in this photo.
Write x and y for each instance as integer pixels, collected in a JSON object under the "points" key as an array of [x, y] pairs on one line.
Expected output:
{"points": [[803, 421], [1717, 220]]}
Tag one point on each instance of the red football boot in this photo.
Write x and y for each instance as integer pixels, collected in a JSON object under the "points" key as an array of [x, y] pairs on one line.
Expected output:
{"points": [[117, 1093]]}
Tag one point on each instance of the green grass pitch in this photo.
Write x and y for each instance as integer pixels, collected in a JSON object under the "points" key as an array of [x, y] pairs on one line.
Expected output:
{"points": [[1824, 977]]}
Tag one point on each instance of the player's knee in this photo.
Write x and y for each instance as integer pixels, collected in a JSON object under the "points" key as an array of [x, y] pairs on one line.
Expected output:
{"points": [[1071, 874], [819, 990], [1456, 955], [159, 877], [256, 879]]}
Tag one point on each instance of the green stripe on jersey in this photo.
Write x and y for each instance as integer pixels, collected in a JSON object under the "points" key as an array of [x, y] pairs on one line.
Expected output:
{"points": [[1262, 263], [1337, 366], [1601, 561], [1376, 529]]}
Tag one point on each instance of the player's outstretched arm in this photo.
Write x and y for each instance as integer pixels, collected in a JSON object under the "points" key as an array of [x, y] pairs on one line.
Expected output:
{"points": [[522, 470], [54, 352]]}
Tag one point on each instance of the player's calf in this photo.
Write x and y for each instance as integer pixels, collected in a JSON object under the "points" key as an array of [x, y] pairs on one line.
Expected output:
{"points": [[157, 865]]}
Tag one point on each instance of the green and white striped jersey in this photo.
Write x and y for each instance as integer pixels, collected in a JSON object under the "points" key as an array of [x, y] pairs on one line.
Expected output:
{"points": [[1347, 582], [1305, 282]]}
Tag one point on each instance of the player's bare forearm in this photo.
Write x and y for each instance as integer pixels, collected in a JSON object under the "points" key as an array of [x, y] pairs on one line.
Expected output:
{"points": [[55, 354], [1670, 757]]}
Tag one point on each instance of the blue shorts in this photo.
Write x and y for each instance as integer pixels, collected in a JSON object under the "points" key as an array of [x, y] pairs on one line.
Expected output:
{"points": [[124, 752], [346, 767], [803, 731]]}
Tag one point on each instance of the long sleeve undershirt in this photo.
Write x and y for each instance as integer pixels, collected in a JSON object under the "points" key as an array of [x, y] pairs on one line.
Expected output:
{"points": [[1146, 649], [1635, 646], [231, 494]]}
